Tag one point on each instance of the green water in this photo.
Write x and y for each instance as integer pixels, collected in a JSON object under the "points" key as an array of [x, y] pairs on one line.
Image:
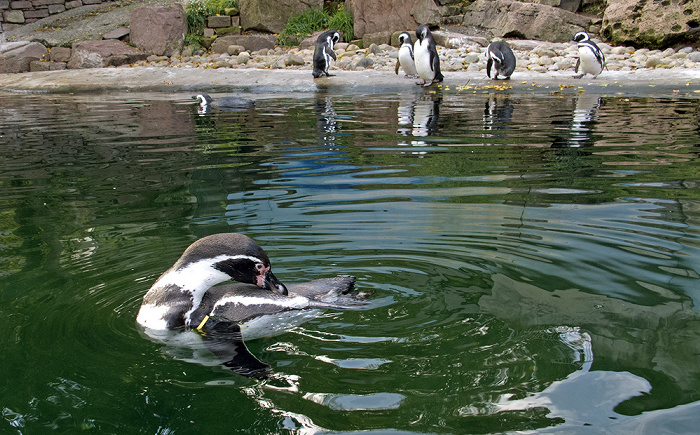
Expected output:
{"points": [[534, 261]]}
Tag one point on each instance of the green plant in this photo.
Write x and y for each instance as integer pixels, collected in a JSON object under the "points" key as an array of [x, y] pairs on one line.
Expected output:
{"points": [[343, 23], [302, 26], [197, 12]]}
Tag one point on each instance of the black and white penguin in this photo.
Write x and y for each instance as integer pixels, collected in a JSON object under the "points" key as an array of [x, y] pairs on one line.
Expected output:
{"points": [[211, 260], [225, 104], [406, 59], [230, 313], [590, 57], [501, 57], [323, 53], [426, 57], [187, 297]]}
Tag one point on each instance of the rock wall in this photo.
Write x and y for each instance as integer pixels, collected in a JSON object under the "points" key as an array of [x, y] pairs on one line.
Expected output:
{"points": [[272, 15], [14, 13], [652, 24]]}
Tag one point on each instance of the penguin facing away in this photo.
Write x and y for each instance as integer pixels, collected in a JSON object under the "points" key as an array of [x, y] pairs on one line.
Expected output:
{"points": [[406, 59], [501, 57], [426, 57], [323, 53], [590, 56]]}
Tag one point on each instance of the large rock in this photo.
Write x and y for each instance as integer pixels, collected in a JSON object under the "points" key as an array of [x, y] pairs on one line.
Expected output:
{"points": [[158, 30], [374, 16], [651, 24], [106, 52], [513, 19], [249, 42], [272, 15], [16, 57]]}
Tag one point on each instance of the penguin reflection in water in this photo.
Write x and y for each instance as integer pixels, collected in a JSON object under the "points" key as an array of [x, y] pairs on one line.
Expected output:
{"points": [[590, 57], [323, 53], [426, 56], [187, 299], [501, 58]]}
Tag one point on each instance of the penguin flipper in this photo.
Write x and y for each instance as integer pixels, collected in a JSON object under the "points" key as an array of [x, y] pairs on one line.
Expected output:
{"points": [[435, 66], [331, 53], [578, 63], [223, 338], [488, 67], [396, 70]]}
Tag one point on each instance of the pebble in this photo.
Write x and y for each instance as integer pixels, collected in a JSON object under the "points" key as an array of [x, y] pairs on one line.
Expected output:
{"points": [[530, 55]]}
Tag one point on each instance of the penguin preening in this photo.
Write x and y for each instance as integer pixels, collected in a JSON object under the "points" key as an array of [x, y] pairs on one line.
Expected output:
{"points": [[426, 57], [590, 56], [406, 59], [187, 298], [323, 53], [501, 57]]}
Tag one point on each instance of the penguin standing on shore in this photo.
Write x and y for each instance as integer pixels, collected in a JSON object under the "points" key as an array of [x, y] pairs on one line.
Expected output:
{"points": [[323, 53], [426, 56], [501, 57], [590, 57], [406, 59]]}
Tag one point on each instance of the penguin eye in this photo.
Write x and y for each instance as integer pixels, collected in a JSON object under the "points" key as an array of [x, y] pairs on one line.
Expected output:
{"points": [[259, 267]]}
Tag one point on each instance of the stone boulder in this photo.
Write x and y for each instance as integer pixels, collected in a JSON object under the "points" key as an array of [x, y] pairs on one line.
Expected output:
{"points": [[15, 57], [458, 40], [567, 5], [248, 42], [651, 24], [105, 52], [272, 15], [375, 16], [514, 19], [158, 30]]}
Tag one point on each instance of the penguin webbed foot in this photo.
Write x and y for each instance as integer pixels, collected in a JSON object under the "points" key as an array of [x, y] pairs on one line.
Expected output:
{"points": [[579, 76], [223, 338]]}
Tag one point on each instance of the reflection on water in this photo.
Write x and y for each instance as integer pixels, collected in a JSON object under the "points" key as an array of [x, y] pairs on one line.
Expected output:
{"points": [[533, 260]]}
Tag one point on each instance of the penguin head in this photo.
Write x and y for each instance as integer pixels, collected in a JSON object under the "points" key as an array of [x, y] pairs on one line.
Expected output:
{"points": [[237, 256], [405, 38], [580, 36], [494, 53], [336, 37], [422, 32], [203, 99]]}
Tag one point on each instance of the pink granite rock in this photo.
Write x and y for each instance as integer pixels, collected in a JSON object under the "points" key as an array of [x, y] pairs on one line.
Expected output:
{"points": [[158, 30]]}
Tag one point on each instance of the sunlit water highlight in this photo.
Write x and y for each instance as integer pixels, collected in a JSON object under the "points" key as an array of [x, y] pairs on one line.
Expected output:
{"points": [[533, 261]]}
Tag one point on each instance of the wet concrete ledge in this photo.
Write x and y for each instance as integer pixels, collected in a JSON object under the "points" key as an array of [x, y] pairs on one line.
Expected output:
{"points": [[667, 82]]}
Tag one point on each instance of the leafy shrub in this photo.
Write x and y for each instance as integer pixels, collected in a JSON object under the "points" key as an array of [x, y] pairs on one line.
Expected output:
{"points": [[197, 12], [302, 26], [343, 23]]}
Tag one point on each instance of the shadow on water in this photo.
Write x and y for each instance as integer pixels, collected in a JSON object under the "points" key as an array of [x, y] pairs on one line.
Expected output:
{"points": [[533, 261]]}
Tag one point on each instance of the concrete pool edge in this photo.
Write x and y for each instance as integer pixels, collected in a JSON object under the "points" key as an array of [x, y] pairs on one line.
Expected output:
{"points": [[669, 82]]}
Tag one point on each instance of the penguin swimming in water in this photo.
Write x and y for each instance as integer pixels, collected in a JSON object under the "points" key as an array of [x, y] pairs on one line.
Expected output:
{"points": [[184, 298], [323, 53], [590, 56], [406, 59], [501, 57], [426, 57], [225, 104]]}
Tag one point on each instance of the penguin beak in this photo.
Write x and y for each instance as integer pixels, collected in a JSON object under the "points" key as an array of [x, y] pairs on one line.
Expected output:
{"points": [[271, 282]]}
